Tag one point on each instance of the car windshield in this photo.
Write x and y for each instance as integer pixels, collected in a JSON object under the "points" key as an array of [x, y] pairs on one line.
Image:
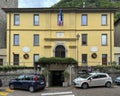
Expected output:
{"points": [[21, 77], [85, 75]]}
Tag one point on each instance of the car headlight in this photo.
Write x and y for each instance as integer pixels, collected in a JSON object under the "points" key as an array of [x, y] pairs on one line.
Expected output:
{"points": [[78, 81]]}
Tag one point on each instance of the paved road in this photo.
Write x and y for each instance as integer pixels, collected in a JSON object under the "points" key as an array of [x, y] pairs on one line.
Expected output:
{"points": [[66, 91]]}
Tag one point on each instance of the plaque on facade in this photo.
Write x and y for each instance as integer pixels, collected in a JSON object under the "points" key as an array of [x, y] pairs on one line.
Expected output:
{"points": [[94, 49], [26, 49]]}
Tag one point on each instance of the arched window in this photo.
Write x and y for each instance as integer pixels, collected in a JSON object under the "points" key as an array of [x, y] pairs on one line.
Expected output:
{"points": [[60, 51]]}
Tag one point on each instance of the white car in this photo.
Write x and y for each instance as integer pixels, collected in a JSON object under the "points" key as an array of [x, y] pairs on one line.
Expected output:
{"points": [[93, 79]]}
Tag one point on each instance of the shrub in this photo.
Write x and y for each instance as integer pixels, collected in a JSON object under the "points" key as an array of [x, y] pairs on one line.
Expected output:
{"points": [[11, 67]]}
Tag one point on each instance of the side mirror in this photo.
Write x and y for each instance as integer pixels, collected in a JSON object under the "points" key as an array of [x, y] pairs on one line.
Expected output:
{"points": [[90, 79]]}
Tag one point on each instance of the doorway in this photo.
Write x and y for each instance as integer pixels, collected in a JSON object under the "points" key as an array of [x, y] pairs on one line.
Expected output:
{"points": [[56, 78]]}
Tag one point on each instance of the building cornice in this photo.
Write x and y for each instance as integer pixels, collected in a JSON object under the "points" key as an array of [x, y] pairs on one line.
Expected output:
{"points": [[60, 39], [52, 29]]}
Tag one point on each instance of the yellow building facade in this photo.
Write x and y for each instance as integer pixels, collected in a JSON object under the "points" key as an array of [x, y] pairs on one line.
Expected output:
{"points": [[86, 35]]}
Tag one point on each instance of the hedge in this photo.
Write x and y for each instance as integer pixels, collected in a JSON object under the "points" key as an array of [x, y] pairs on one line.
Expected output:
{"points": [[11, 67]]}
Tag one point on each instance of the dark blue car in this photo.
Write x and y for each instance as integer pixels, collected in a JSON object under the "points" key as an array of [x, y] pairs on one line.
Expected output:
{"points": [[0, 83], [31, 82]]}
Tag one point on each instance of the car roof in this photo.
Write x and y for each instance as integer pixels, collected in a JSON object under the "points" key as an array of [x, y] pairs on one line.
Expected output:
{"points": [[94, 73]]}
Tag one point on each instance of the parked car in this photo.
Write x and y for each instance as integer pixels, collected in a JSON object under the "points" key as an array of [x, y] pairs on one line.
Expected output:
{"points": [[117, 80], [31, 82], [0, 83], [93, 79]]}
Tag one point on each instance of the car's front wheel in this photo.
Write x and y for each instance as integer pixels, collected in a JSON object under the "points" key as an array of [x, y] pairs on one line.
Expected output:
{"points": [[31, 89], [84, 85], [12, 86], [108, 84]]}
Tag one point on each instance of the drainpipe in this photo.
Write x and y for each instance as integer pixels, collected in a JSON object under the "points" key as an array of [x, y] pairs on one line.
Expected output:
{"points": [[77, 39], [110, 38], [9, 47]]}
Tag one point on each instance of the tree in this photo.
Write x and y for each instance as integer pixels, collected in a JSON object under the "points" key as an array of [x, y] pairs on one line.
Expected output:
{"points": [[91, 4]]}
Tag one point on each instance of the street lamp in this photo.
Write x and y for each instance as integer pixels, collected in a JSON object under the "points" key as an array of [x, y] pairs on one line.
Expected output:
{"points": [[77, 36]]}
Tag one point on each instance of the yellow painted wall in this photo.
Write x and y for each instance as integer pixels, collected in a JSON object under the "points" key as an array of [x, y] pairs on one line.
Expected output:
{"points": [[47, 34]]}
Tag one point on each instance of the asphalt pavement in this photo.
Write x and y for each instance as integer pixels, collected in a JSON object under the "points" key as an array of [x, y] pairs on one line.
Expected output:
{"points": [[64, 91]]}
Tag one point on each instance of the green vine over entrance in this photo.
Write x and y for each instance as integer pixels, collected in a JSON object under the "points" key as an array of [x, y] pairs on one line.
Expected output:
{"points": [[57, 60]]}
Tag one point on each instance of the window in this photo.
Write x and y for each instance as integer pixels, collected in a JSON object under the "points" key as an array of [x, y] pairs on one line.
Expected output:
{"points": [[27, 77], [36, 39], [16, 59], [36, 57], [60, 51], [95, 77], [84, 19], [84, 39], [21, 77], [16, 39], [60, 34], [1, 61], [104, 59], [36, 19], [16, 19], [84, 58], [104, 39], [104, 19], [102, 76], [99, 76]]}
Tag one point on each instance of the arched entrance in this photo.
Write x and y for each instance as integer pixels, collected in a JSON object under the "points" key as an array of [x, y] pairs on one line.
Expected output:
{"points": [[56, 75], [60, 51]]}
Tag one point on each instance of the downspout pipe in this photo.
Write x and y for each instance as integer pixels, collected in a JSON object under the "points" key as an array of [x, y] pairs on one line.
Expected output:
{"points": [[111, 38], [9, 45]]}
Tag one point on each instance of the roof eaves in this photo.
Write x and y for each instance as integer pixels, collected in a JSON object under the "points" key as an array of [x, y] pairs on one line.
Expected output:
{"points": [[117, 21], [30, 10]]}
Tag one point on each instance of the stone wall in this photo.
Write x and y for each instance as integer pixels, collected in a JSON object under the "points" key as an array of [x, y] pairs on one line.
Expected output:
{"points": [[6, 76], [77, 71], [110, 70]]}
